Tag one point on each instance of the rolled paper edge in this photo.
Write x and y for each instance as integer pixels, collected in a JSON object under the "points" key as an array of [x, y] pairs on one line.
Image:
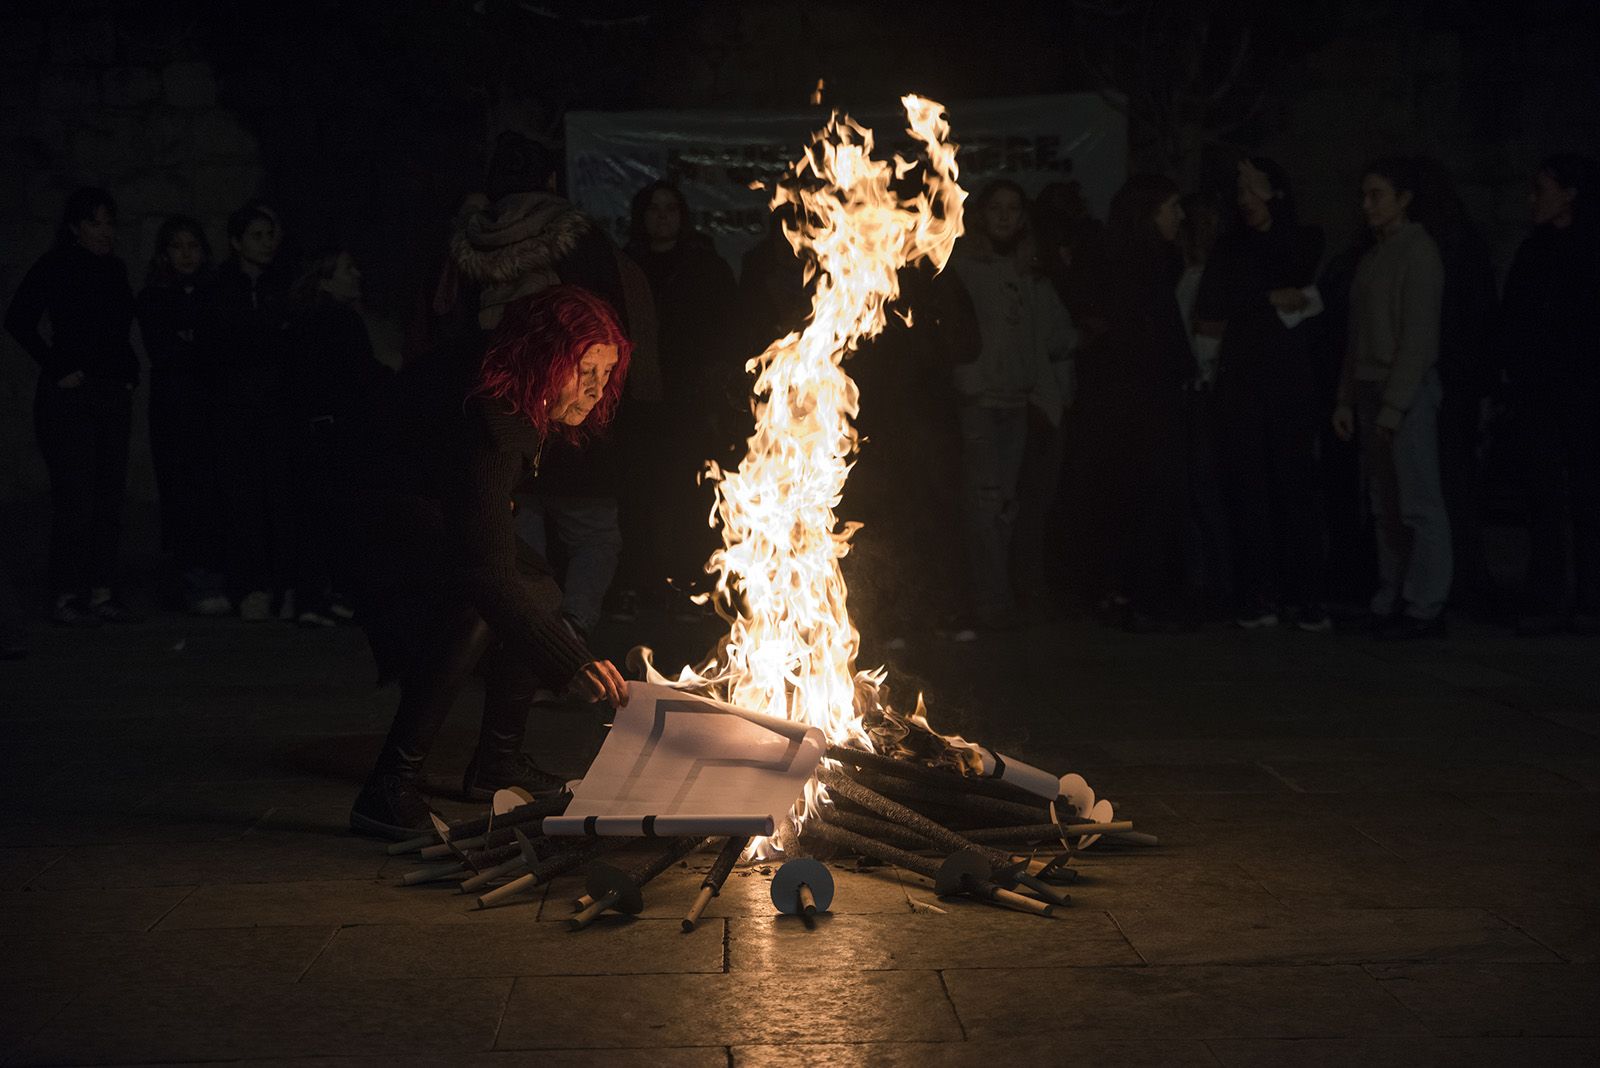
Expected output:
{"points": [[1024, 776]]}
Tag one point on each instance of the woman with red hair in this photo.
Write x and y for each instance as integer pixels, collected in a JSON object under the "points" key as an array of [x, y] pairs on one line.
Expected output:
{"points": [[444, 581]]}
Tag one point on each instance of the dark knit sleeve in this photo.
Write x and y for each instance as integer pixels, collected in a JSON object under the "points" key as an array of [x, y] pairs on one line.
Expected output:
{"points": [[25, 314], [508, 602]]}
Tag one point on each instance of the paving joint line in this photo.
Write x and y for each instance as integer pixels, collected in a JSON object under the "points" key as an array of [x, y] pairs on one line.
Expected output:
{"points": [[1118, 925], [193, 890], [944, 986], [326, 942]]}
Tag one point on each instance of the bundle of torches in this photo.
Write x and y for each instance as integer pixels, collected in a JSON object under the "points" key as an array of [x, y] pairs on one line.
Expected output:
{"points": [[972, 836], [891, 789]]}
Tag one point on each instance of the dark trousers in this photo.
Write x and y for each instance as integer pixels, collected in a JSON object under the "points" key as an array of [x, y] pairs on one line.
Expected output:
{"points": [[1208, 564], [306, 521], [1563, 469], [250, 454], [435, 677], [1460, 474], [1269, 430], [183, 450], [83, 433], [1134, 468]]}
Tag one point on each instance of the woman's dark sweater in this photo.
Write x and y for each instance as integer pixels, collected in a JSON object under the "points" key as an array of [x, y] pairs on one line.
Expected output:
{"points": [[170, 326], [90, 306], [330, 368], [1550, 314], [432, 471], [1243, 269]]}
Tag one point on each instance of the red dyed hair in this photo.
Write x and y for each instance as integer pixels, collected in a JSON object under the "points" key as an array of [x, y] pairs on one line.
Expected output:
{"points": [[537, 348]]}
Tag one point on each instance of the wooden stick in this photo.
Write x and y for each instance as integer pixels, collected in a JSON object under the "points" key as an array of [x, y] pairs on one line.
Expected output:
{"points": [[548, 869], [1028, 831], [711, 885], [489, 875], [592, 913], [478, 825], [807, 902], [431, 873]]}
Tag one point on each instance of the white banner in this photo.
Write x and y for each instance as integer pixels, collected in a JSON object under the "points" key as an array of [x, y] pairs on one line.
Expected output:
{"points": [[675, 763], [713, 157]]}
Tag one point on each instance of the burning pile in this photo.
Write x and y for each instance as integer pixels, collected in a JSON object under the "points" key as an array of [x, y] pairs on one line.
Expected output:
{"points": [[892, 789]]}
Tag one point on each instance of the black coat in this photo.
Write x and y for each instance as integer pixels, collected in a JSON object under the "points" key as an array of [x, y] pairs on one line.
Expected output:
{"points": [[1243, 268], [90, 307], [171, 327], [1550, 313], [330, 368], [429, 473]]}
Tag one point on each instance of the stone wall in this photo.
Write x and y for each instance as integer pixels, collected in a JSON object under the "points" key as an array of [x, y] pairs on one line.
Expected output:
{"points": [[116, 100]]}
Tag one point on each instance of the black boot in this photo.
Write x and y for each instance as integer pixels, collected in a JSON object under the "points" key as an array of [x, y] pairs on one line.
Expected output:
{"points": [[391, 806], [489, 772], [391, 803]]}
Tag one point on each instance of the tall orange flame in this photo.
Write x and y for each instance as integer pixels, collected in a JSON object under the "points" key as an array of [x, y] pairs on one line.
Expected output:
{"points": [[791, 648]]}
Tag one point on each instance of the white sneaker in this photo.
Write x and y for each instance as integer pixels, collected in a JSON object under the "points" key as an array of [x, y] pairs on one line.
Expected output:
{"points": [[256, 606], [214, 605]]}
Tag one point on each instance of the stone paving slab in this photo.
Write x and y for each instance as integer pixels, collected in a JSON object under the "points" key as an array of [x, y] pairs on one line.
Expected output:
{"points": [[1377, 777], [1358, 878], [1179, 1002], [241, 955], [682, 1010], [147, 1022], [27, 1006], [970, 936], [1151, 879], [1498, 999], [1069, 1048], [1406, 1052], [21, 866], [1574, 934], [256, 857], [337, 902], [455, 951], [1323, 936], [682, 1057], [114, 909]]}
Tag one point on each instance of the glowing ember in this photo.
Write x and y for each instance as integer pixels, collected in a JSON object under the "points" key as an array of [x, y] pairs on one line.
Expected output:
{"points": [[791, 648]]}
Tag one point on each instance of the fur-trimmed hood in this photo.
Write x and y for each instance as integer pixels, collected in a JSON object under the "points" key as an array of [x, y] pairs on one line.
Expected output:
{"points": [[517, 235], [510, 248]]}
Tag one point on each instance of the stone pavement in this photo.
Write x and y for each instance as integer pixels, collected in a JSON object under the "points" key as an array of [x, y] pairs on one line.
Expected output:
{"points": [[1375, 854]]}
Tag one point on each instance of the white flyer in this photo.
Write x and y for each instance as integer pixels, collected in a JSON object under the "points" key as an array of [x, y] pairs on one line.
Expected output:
{"points": [[677, 764]]}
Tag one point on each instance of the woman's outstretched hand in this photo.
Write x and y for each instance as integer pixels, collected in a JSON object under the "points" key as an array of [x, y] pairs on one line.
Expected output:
{"points": [[599, 680]]}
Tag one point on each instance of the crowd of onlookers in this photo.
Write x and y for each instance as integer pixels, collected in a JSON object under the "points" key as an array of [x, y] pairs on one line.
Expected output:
{"points": [[1189, 410]]}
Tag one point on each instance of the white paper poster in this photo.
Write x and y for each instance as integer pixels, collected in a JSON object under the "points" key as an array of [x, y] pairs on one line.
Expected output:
{"points": [[677, 764]]}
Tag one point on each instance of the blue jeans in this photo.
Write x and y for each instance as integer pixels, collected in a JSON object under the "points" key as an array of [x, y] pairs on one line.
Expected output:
{"points": [[589, 534], [1413, 526], [993, 444]]}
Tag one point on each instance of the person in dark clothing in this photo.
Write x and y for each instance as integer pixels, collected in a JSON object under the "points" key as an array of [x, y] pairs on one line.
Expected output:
{"points": [[1469, 370], [329, 371], [1256, 289], [1550, 338], [247, 336], [1132, 369], [701, 367], [83, 407], [183, 403], [1349, 563], [516, 239], [444, 580]]}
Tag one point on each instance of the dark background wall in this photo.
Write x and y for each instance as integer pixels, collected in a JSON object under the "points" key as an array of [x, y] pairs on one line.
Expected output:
{"points": [[365, 122]]}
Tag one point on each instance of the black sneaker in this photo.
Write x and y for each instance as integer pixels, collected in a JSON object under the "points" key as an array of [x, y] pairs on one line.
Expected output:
{"points": [[481, 781], [113, 610], [74, 612], [1407, 628], [390, 806]]}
